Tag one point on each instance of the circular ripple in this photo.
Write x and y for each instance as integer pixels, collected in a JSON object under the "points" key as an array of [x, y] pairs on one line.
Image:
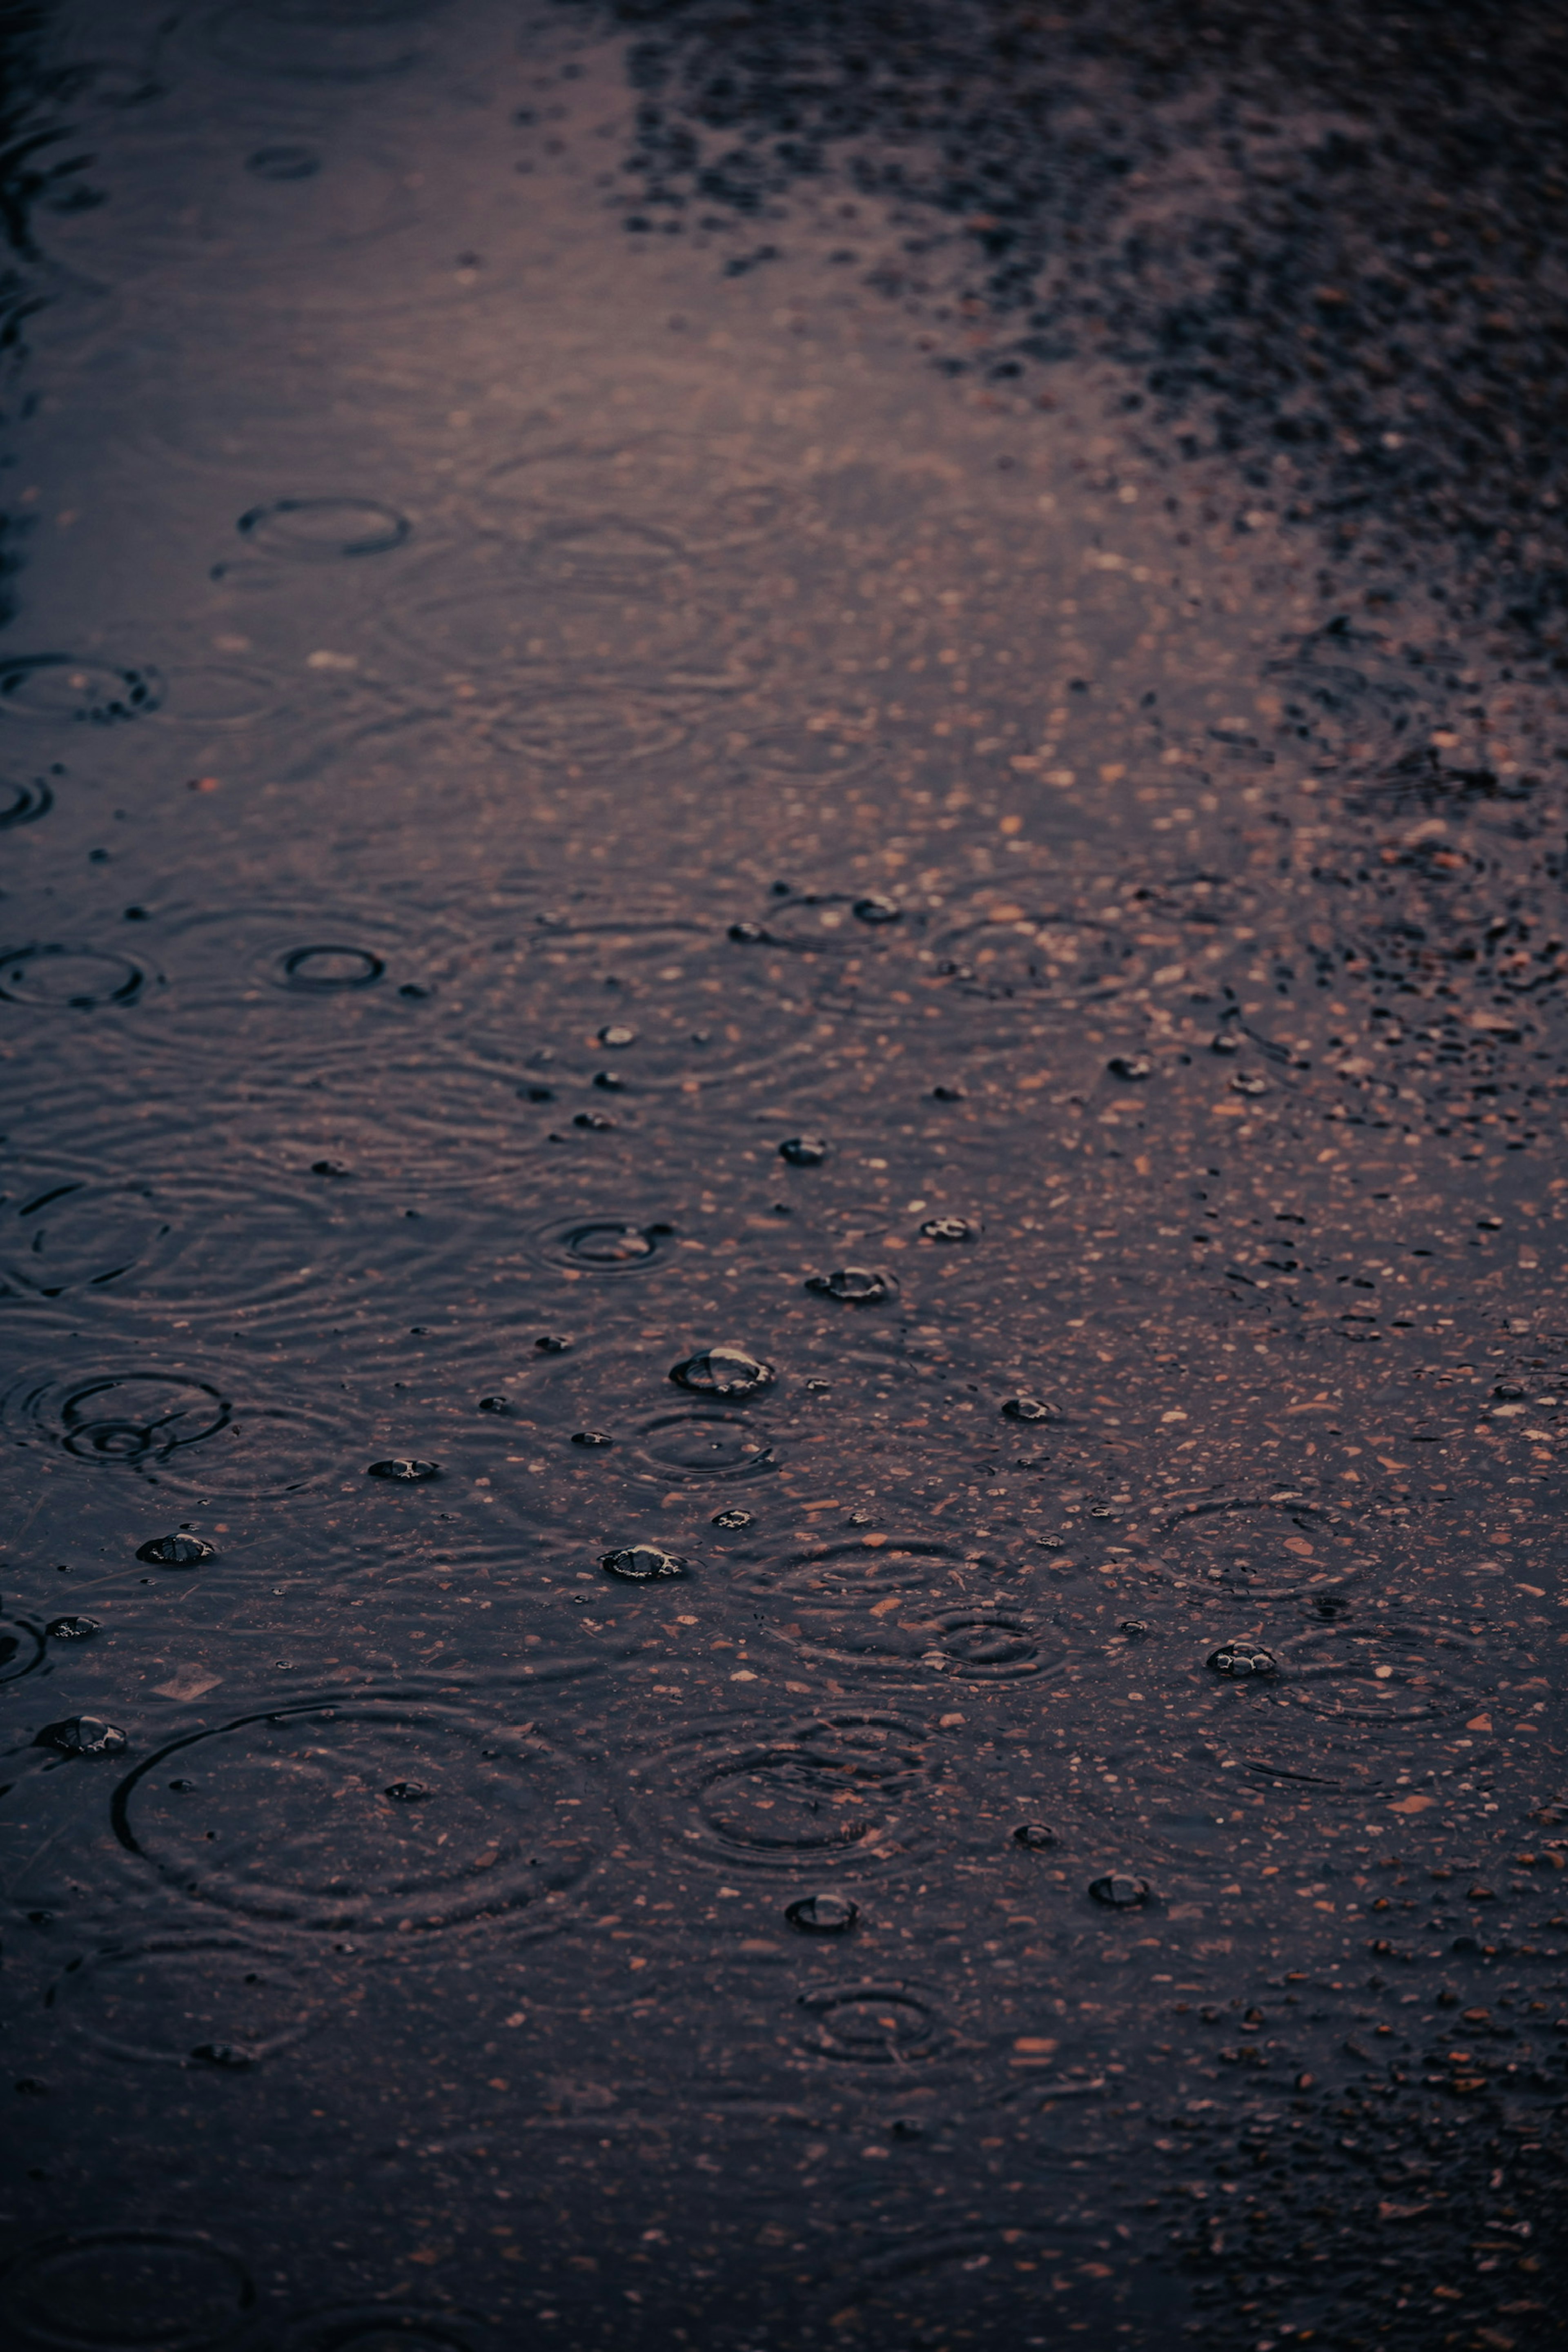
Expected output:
{"points": [[325, 970], [125, 2290], [837, 1791], [61, 690], [871, 2024], [129, 1419], [380, 2327], [324, 531], [1261, 1548], [261, 1452], [65, 1233], [302, 1831], [21, 1648], [1345, 1675], [603, 1246], [829, 923], [321, 40], [709, 1445], [669, 484], [56, 978], [173, 2001], [1012, 951], [23, 804], [890, 1608], [607, 553]]}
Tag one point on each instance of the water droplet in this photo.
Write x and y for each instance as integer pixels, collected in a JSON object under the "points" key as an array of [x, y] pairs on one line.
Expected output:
{"points": [[1029, 1408], [96, 2290], [287, 161], [948, 1229], [747, 935], [1245, 1083], [725, 1370], [617, 1033], [611, 1081], [1130, 1066], [82, 1735], [1510, 1390], [823, 1914], [1225, 1040], [1035, 1835], [410, 1471], [593, 1438], [1120, 1891], [495, 1404], [642, 1564], [595, 1120], [732, 1519], [1242, 1658], [948, 1094], [877, 910], [180, 1550], [804, 1150], [406, 1792], [325, 970], [321, 530], [231, 2056], [1133, 1627], [328, 1168], [550, 1343], [857, 1286], [72, 1629]]}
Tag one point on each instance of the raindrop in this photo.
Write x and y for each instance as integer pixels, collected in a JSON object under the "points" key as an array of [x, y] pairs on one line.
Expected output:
{"points": [[594, 1119], [322, 530], [1035, 1835], [593, 1438], [1029, 1408], [411, 1472], [1120, 1891], [406, 1792], [610, 1080], [858, 1286], [617, 1033], [1243, 1084], [495, 1404], [550, 1344], [642, 1564], [804, 1150], [1510, 1391], [72, 1629], [1133, 1627], [179, 1550], [1225, 1040], [1241, 1658], [877, 910], [328, 1168], [324, 970], [823, 1914], [286, 161], [747, 935], [82, 1735], [1130, 1066], [725, 1370], [732, 1518], [948, 1229], [948, 1094]]}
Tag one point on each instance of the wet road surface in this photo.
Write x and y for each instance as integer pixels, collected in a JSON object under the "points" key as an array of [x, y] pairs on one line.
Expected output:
{"points": [[783, 1331]]}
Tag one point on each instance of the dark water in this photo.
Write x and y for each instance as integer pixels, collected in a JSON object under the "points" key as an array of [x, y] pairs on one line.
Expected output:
{"points": [[783, 1310]]}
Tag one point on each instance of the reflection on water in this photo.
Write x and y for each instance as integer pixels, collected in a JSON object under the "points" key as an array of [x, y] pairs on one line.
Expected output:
{"points": [[619, 896]]}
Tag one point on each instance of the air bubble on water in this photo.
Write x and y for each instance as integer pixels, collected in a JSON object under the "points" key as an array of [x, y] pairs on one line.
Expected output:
{"points": [[72, 1629], [732, 1519], [1031, 1407], [617, 1033], [1120, 1891], [179, 1550], [610, 1080], [593, 1438], [948, 1094], [404, 1469], [551, 1343], [495, 1404], [1035, 1835], [1133, 1627], [804, 1150], [1239, 1659], [1245, 1084], [726, 1370], [82, 1735], [406, 1792], [1130, 1066], [948, 1229], [877, 910], [1225, 1040], [747, 935], [594, 1120], [642, 1564], [232, 2057], [857, 1286], [822, 1915]]}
